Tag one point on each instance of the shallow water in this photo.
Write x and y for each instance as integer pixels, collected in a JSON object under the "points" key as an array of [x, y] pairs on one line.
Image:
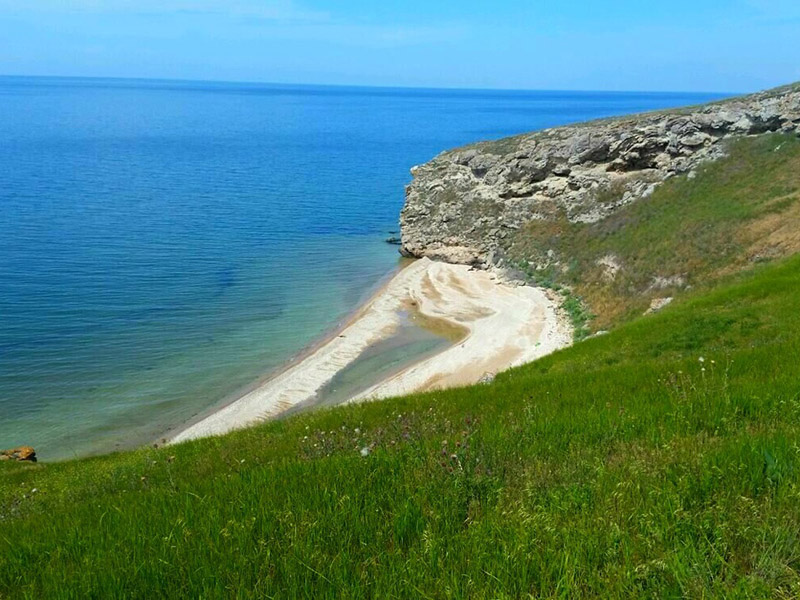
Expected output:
{"points": [[164, 244], [406, 346]]}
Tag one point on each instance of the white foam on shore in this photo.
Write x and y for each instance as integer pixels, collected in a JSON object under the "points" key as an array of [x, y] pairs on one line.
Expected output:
{"points": [[506, 325]]}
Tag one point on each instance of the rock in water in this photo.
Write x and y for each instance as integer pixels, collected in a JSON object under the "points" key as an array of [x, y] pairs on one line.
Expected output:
{"points": [[22, 453]]}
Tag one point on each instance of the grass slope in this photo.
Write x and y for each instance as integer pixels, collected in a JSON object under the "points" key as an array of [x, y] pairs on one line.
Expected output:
{"points": [[624, 466], [735, 212], [660, 460]]}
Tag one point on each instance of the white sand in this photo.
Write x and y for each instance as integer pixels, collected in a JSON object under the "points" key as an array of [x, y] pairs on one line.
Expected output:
{"points": [[506, 325]]}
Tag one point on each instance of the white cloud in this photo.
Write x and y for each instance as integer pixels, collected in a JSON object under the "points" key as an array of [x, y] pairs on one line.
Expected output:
{"points": [[414, 34], [271, 10], [365, 34], [240, 19]]}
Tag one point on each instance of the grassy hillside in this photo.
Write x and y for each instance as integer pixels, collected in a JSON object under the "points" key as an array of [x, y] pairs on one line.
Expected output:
{"points": [[733, 213], [660, 460]]}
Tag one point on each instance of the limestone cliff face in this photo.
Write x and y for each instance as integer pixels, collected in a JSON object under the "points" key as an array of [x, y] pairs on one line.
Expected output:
{"points": [[463, 205]]}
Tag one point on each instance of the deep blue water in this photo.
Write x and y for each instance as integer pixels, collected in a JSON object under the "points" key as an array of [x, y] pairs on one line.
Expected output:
{"points": [[163, 244]]}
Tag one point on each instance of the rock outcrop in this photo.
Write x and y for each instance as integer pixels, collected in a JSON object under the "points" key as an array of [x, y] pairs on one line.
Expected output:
{"points": [[464, 205], [23, 453]]}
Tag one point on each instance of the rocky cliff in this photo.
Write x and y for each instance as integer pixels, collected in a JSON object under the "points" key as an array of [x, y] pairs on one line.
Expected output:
{"points": [[464, 205]]}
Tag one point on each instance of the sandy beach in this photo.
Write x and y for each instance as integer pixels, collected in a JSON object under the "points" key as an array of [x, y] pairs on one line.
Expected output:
{"points": [[503, 325]]}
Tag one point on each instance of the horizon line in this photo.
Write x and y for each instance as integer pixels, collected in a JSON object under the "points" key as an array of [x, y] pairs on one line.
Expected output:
{"points": [[365, 86]]}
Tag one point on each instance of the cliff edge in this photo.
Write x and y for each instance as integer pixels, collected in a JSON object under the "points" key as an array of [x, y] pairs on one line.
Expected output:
{"points": [[463, 205]]}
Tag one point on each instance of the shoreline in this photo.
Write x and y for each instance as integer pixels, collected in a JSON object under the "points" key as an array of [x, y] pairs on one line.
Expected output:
{"points": [[168, 436], [523, 324], [503, 325]]}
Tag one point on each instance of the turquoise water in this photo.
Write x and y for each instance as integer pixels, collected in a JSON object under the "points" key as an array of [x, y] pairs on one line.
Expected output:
{"points": [[164, 244]]}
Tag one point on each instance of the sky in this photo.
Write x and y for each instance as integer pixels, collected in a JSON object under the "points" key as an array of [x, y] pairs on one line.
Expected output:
{"points": [[642, 45]]}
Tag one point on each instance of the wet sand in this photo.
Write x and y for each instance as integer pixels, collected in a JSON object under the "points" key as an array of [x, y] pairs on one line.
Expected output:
{"points": [[493, 326]]}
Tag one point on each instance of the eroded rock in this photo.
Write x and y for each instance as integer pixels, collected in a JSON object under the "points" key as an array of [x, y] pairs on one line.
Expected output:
{"points": [[657, 304], [464, 205], [21, 453]]}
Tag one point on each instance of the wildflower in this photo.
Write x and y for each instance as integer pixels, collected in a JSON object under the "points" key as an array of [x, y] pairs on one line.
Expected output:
{"points": [[365, 451], [701, 359], [357, 430]]}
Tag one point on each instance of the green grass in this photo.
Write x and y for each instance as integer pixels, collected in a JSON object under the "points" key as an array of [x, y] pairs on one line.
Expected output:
{"points": [[615, 468], [576, 310], [736, 212], [661, 460]]}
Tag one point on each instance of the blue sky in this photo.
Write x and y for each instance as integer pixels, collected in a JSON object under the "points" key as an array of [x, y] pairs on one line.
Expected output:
{"points": [[686, 45]]}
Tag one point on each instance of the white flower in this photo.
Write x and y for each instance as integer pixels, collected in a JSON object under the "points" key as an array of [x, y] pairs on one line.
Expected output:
{"points": [[701, 359], [365, 451]]}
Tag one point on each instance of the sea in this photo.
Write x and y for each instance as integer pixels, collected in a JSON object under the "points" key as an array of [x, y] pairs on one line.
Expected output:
{"points": [[165, 245]]}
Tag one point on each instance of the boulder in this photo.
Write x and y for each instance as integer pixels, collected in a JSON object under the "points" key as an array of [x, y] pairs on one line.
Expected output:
{"points": [[21, 453], [657, 304], [486, 378]]}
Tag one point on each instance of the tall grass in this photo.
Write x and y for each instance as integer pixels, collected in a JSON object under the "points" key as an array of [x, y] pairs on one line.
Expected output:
{"points": [[731, 214], [658, 461]]}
